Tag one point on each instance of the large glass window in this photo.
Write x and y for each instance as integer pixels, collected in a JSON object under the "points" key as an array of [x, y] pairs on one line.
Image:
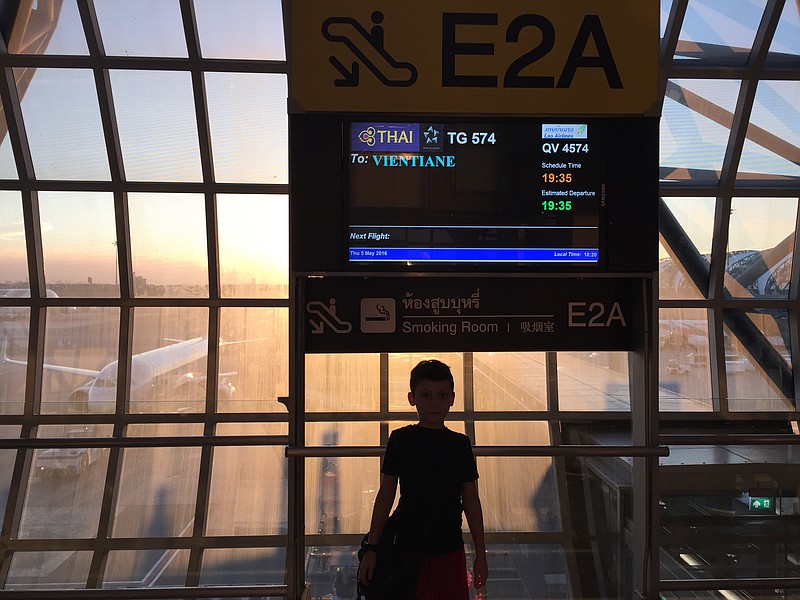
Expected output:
{"points": [[161, 426]]}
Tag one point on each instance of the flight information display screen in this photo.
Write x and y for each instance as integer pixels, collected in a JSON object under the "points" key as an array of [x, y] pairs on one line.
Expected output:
{"points": [[522, 192]]}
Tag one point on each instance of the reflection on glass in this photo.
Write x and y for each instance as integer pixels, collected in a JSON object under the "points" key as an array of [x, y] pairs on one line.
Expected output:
{"points": [[253, 363], [701, 25], [67, 568], [146, 568], [80, 357], [519, 493], [760, 247], [243, 566], [400, 366], [248, 491], [674, 281], [249, 127], [509, 381], [258, 25], [65, 488], [716, 554], [141, 28], [342, 434], [48, 28], [342, 382], [684, 371], [14, 325], [157, 490], [169, 362], [773, 323], [7, 458], [253, 245], [66, 137], [787, 35], [593, 381], [516, 571], [758, 378], [695, 127], [340, 493], [14, 320], [773, 134], [159, 139], [686, 241], [77, 250], [168, 245], [13, 255]]}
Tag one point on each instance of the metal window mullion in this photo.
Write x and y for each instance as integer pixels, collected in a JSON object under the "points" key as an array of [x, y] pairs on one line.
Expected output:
{"points": [[383, 393], [730, 165], [468, 369], [206, 453], [719, 372], [741, 189], [669, 44], [204, 139], [14, 504], [191, 36], [295, 466], [747, 93], [25, 171], [113, 145], [175, 187], [159, 63], [91, 29], [794, 318], [114, 466]]}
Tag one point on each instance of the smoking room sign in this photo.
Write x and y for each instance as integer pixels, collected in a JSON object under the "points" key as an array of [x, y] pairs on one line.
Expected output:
{"points": [[470, 56], [347, 314]]}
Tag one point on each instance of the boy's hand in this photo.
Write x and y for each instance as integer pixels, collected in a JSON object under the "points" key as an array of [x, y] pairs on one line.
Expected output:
{"points": [[480, 571], [367, 567]]}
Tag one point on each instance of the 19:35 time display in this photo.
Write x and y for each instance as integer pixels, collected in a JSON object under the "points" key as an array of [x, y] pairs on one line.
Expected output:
{"points": [[559, 205], [557, 177]]}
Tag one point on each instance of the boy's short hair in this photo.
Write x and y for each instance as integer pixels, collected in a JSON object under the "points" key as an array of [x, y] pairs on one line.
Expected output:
{"points": [[433, 370]]}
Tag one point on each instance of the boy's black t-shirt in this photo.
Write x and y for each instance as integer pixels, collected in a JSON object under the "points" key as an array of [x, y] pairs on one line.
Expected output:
{"points": [[432, 465]]}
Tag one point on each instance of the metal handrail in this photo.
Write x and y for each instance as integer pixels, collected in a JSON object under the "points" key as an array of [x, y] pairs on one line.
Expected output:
{"points": [[561, 450], [730, 439], [145, 442], [262, 591], [750, 583]]}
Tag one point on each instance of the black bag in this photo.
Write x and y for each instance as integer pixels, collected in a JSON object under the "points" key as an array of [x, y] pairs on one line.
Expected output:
{"points": [[395, 575]]}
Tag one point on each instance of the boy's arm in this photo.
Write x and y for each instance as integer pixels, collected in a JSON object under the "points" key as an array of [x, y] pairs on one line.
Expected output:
{"points": [[383, 504], [380, 514], [474, 514]]}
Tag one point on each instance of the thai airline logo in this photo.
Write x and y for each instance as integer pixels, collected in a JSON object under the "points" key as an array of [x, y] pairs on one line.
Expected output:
{"points": [[385, 137]]}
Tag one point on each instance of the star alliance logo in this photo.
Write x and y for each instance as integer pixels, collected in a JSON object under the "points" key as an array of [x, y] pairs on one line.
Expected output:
{"points": [[432, 137]]}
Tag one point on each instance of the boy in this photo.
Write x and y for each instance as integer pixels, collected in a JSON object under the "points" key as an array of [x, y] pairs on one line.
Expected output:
{"points": [[438, 479]]}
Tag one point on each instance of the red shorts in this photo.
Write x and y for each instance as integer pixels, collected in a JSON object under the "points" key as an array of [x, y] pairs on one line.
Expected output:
{"points": [[443, 577]]}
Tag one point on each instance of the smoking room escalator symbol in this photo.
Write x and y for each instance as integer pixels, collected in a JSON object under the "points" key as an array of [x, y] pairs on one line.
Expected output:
{"points": [[368, 48], [325, 314]]}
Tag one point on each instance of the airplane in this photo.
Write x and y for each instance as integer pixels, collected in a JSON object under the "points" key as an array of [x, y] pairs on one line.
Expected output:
{"points": [[153, 377]]}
